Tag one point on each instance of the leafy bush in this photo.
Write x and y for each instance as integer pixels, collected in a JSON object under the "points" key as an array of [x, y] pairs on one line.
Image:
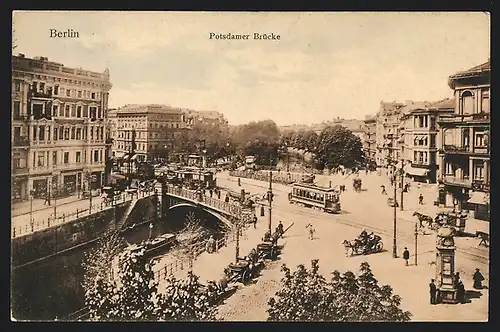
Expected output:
{"points": [[307, 296]]}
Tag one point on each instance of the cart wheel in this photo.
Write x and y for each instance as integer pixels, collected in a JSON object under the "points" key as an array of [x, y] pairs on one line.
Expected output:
{"points": [[245, 276], [380, 246]]}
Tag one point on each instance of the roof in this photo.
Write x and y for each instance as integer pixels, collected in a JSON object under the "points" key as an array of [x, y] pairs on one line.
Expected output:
{"points": [[148, 108], [314, 187], [474, 70], [445, 103]]}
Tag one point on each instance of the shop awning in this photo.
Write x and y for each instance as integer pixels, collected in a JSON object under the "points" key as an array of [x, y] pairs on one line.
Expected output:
{"points": [[478, 197], [417, 171], [119, 155], [118, 176]]}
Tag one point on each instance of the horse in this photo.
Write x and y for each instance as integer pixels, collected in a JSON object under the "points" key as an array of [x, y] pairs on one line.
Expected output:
{"points": [[422, 217], [350, 245]]}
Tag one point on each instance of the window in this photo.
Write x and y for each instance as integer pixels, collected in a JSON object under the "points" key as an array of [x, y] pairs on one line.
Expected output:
{"points": [[433, 158], [41, 133], [485, 102], [467, 103], [54, 158], [66, 111], [56, 89], [96, 156], [79, 94], [78, 111], [41, 159], [42, 86], [73, 111], [54, 110], [17, 86], [78, 156], [92, 133], [93, 95], [479, 172], [66, 158], [73, 133], [85, 111], [479, 140], [17, 110], [34, 86], [68, 93], [433, 140], [78, 133], [66, 133]]}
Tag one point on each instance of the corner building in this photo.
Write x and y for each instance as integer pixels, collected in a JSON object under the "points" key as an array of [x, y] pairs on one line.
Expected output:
{"points": [[465, 149], [59, 143]]}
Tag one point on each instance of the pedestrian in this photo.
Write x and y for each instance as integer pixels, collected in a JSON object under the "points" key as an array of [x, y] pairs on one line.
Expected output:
{"points": [[254, 220], [432, 291], [406, 256], [311, 231], [47, 199], [456, 280], [226, 199], [218, 193], [383, 190], [461, 292], [478, 279], [279, 228], [421, 199], [211, 193], [239, 182], [262, 210]]}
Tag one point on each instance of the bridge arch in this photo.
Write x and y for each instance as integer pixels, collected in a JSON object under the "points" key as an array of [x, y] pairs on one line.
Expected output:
{"points": [[212, 220]]}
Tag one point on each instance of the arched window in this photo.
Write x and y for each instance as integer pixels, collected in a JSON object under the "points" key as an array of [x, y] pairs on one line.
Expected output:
{"points": [[467, 102], [448, 137]]}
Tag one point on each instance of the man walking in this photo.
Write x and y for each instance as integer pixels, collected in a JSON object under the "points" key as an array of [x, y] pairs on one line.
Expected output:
{"points": [[311, 231], [383, 190], [421, 199], [432, 291], [406, 256], [254, 220]]}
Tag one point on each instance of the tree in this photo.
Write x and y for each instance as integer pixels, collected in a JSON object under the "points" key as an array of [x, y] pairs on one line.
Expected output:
{"points": [[133, 295], [189, 238], [305, 295], [337, 145]]}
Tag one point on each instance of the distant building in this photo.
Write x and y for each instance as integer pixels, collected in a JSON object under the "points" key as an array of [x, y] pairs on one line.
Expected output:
{"points": [[387, 133], [465, 148], [145, 132], [369, 141], [207, 117], [59, 127], [420, 139]]}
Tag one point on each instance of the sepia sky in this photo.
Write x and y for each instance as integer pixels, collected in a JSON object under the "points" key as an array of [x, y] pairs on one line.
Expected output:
{"points": [[324, 65]]}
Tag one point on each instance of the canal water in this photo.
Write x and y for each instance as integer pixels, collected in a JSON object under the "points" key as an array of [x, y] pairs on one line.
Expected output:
{"points": [[53, 287]]}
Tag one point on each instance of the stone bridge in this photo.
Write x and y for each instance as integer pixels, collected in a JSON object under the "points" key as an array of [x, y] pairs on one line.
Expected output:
{"points": [[227, 213]]}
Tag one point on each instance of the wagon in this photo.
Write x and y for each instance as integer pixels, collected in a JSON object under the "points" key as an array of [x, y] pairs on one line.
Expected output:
{"points": [[267, 250], [239, 272]]}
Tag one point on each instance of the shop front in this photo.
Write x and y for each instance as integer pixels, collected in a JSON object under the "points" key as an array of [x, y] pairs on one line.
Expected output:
{"points": [[480, 205], [39, 188], [69, 184], [20, 188], [96, 180]]}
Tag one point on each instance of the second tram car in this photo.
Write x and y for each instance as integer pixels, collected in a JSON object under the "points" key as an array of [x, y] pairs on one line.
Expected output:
{"points": [[327, 199]]}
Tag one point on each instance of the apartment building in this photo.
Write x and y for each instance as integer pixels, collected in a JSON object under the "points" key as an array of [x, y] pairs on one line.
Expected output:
{"points": [[465, 148], [387, 131], [145, 132], [369, 140], [420, 138], [59, 143]]}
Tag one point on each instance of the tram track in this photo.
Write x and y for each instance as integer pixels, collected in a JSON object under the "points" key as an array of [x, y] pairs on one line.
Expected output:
{"points": [[475, 257]]}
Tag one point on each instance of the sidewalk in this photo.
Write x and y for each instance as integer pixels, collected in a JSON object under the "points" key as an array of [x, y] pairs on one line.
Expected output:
{"points": [[211, 266]]}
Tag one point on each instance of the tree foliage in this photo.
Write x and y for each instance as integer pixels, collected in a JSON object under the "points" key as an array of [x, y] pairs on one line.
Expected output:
{"points": [[259, 139], [133, 295], [306, 295], [189, 238], [337, 145]]}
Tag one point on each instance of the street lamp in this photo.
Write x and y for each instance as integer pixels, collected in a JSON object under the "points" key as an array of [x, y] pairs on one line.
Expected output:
{"points": [[32, 192], [394, 244], [270, 195]]}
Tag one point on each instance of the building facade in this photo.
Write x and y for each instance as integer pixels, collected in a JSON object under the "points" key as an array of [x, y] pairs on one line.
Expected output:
{"points": [[387, 134], [145, 132], [421, 138], [59, 142], [369, 141], [204, 117], [465, 148]]}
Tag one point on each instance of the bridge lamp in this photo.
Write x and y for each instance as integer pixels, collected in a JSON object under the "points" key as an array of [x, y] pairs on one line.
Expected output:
{"points": [[150, 230]]}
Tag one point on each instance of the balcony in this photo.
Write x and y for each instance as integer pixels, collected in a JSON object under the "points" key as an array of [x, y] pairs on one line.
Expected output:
{"points": [[41, 94], [419, 163], [20, 171], [480, 185], [482, 117], [18, 117], [460, 182], [21, 142], [465, 150]]}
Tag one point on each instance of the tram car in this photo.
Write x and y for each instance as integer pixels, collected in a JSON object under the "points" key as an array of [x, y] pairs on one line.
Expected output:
{"points": [[196, 178], [309, 195]]}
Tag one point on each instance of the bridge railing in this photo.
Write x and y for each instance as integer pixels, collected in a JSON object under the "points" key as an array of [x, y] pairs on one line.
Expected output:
{"points": [[170, 268], [230, 208], [285, 179], [97, 206]]}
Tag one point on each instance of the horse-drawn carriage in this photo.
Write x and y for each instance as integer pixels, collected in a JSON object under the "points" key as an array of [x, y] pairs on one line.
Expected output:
{"points": [[453, 220], [240, 271], [356, 184], [268, 249], [358, 247]]}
